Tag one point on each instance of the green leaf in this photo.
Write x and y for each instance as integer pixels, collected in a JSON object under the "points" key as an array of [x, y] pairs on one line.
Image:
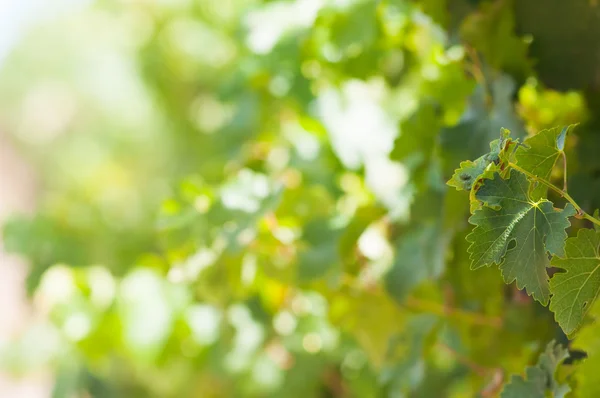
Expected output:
{"points": [[492, 32], [540, 378], [539, 154], [420, 256], [320, 254], [417, 136], [470, 175], [560, 140], [511, 217], [575, 290], [469, 171]]}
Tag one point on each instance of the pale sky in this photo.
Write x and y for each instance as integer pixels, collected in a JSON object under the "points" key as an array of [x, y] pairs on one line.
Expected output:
{"points": [[17, 15]]}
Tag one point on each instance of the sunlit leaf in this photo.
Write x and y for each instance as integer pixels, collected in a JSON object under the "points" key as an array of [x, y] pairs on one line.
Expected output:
{"points": [[517, 233]]}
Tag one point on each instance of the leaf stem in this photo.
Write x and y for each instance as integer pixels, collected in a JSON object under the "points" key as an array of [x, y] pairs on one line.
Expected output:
{"points": [[559, 191], [564, 156], [479, 75]]}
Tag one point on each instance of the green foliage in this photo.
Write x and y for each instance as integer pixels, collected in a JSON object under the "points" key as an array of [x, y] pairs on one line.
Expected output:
{"points": [[492, 32], [491, 109], [539, 154], [539, 380], [465, 177], [575, 290], [511, 217], [577, 23], [246, 198], [513, 211]]}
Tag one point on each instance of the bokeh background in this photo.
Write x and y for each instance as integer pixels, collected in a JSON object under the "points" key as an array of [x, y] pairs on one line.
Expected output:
{"points": [[246, 198]]}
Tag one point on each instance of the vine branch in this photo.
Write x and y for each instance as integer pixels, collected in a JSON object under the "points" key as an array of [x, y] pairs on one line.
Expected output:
{"points": [[559, 191]]}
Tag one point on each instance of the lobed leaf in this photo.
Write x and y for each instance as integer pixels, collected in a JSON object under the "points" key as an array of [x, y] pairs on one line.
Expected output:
{"points": [[469, 172], [575, 290], [510, 217], [539, 379], [538, 155]]}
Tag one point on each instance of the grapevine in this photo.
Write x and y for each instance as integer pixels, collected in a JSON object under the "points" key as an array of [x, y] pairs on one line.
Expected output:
{"points": [[518, 229]]}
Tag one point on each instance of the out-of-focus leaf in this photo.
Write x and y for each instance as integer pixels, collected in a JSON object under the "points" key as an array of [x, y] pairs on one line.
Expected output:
{"points": [[577, 22], [540, 381], [491, 30], [481, 123], [420, 256]]}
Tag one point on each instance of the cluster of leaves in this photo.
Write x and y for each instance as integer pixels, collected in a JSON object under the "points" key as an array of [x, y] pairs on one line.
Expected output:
{"points": [[310, 245], [521, 231]]}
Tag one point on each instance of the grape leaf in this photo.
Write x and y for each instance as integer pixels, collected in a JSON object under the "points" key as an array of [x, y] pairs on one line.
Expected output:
{"points": [[419, 257], [511, 217], [539, 153], [469, 171], [464, 177], [575, 290], [470, 175], [540, 378], [562, 136]]}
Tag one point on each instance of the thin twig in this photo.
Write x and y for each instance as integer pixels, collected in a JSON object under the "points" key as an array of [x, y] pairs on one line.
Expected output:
{"points": [[564, 156], [559, 191], [477, 71]]}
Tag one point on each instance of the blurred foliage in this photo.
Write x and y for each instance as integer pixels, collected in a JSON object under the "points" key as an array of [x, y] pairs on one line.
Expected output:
{"points": [[246, 198]]}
